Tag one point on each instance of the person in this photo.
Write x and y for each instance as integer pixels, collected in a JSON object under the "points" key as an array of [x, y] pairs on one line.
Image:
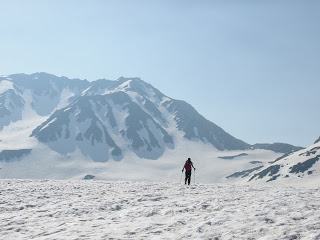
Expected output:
{"points": [[188, 166]]}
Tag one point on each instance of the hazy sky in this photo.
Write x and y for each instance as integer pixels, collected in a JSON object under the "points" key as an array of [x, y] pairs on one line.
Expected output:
{"points": [[251, 67]]}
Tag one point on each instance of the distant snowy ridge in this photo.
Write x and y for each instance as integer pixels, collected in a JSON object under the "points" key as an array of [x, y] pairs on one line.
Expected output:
{"points": [[277, 147], [297, 168]]}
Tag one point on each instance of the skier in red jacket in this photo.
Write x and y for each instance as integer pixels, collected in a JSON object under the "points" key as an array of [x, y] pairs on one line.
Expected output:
{"points": [[188, 166]]}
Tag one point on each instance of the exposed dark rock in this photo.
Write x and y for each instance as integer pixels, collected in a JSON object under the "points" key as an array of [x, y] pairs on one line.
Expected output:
{"points": [[13, 155], [51, 130], [93, 133], [304, 166], [256, 162], [4, 112], [318, 140], [89, 177], [244, 173], [310, 152], [273, 178], [232, 157], [138, 120], [79, 137], [122, 132], [111, 117], [154, 110], [282, 157], [270, 171], [116, 152], [11, 106]]}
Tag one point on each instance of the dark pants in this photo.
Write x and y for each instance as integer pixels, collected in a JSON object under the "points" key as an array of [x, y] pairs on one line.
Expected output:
{"points": [[188, 177]]}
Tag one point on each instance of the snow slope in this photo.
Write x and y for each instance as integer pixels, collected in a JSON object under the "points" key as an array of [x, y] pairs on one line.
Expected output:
{"points": [[45, 163], [42, 209], [290, 169]]}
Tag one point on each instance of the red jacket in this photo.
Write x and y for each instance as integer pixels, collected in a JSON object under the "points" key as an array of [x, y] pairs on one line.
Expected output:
{"points": [[188, 165]]}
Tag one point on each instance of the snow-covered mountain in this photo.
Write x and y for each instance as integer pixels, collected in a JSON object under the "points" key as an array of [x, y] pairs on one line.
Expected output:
{"points": [[277, 147], [296, 168], [55, 127], [105, 117]]}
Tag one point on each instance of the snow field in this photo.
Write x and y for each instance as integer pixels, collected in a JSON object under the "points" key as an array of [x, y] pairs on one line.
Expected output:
{"points": [[69, 209]]}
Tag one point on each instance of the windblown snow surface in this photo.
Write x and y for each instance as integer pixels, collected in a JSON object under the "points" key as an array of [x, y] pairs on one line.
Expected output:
{"points": [[73, 209]]}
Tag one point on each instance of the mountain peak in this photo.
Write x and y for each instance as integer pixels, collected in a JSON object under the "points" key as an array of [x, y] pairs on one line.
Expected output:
{"points": [[128, 78], [127, 110]]}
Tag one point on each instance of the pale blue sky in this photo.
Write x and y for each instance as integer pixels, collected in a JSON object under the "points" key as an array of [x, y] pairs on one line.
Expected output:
{"points": [[251, 67]]}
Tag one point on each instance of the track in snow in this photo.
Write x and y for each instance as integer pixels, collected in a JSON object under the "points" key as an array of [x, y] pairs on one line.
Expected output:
{"points": [[49, 209]]}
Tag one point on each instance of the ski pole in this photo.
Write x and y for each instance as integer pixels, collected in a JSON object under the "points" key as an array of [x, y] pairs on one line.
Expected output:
{"points": [[180, 177], [194, 180]]}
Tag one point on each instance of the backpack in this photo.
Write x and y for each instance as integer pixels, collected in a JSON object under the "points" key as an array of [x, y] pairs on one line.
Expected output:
{"points": [[187, 165]]}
